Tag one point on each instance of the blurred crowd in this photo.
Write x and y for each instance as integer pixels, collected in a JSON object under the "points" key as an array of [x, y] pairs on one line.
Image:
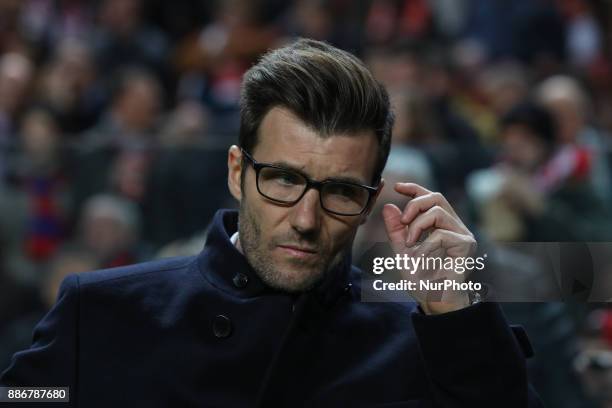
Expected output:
{"points": [[116, 115]]}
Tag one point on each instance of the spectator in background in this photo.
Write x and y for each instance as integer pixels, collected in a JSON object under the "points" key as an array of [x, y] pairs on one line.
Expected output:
{"points": [[185, 186], [185, 126], [326, 20], [430, 121], [70, 87], [584, 37], [527, 196], [420, 84], [532, 31], [46, 23], [211, 60], [310, 19], [110, 229], [450, 17], [42, 176], [35, 203], [594, 362], [582, 146], [132, 116], [17, 334], [11, 39], [389, 20], [418, 132], [186, 183], [16, 71], [116, 153], [499, 88], [122, 38]]}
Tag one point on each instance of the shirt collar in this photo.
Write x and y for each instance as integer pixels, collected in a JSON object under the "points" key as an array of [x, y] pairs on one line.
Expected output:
{"points": [[234, 238]]}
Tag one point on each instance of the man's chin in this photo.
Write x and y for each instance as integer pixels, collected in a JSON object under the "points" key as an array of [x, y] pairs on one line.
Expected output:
{"points": [[294, 281]]}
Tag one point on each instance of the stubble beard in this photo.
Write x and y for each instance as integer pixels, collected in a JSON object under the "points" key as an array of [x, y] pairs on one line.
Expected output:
{"points": [[257, 253]]}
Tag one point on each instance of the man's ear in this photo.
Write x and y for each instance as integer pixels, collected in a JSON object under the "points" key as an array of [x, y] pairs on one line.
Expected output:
{"points": [[364, 219], [234, 171]]}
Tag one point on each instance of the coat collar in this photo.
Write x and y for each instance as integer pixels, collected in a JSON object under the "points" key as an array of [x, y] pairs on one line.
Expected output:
{"points": [[220, 262]]}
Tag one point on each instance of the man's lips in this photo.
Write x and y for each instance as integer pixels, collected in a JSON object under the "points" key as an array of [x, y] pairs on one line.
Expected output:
{"points": [[297, 250]]}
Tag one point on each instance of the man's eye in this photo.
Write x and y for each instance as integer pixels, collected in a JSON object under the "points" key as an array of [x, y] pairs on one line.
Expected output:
{"points": [[287, 179], [344, 192]]}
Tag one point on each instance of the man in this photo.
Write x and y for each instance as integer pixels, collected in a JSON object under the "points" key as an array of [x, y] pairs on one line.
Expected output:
{"points": [[269, 313]]}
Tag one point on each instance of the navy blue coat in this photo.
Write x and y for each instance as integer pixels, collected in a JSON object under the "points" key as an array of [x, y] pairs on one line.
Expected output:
{"points": [[204, 331]]}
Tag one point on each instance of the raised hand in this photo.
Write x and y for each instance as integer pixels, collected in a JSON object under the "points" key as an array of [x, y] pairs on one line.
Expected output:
{"points": [[429, 226]]}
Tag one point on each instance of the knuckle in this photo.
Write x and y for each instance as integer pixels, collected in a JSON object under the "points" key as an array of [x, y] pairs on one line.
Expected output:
{"points": [[415, 202], [437, 234], [438, 196], [438, 211], [410, 206]]}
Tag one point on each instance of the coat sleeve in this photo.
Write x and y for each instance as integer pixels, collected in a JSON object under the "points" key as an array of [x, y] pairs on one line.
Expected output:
{"points": [[51, 361], [473, 358]]}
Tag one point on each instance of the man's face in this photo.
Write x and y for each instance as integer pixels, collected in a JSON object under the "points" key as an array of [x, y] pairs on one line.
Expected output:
{"points": [[291, 247]]}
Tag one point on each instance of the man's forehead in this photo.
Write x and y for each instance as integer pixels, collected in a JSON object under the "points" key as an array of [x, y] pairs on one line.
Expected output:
{"points": [[285, 139]]}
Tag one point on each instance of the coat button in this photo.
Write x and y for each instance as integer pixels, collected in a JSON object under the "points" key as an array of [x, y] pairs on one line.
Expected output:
{"points": [[222, 326], [240, 280]]}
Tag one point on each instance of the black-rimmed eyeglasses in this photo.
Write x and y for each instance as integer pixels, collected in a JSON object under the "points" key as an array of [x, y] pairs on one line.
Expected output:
{"points": [[287, 186]]}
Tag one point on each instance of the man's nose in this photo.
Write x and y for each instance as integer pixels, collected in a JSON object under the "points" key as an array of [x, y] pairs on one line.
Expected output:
{"points": [[306, 213]]}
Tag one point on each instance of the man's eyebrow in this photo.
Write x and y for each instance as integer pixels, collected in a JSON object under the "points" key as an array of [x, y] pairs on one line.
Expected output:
{"points": [[348, 179], [289, 166], [341, 179]]}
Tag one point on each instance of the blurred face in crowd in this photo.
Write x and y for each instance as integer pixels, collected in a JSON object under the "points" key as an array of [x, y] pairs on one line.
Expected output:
{"points": [[15, 75], [129, 175], [139, 104], [106, 236], [569, 118], [313, 18], [120, 16], [291, 247], [68, 74], [39, 137], [522, 148]]}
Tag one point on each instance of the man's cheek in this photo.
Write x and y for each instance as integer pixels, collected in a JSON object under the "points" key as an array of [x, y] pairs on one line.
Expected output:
{"points": [[339, 242]]}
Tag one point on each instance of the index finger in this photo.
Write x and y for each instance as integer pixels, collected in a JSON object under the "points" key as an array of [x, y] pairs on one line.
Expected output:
{"points": [[411, 189]]}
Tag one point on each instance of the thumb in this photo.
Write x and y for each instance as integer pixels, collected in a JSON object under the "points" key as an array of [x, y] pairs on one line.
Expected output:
{"points": [[396, 231]]}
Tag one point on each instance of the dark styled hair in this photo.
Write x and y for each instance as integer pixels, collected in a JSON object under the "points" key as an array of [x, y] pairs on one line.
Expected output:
{"points": [[535, 118], [327, 88]]}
